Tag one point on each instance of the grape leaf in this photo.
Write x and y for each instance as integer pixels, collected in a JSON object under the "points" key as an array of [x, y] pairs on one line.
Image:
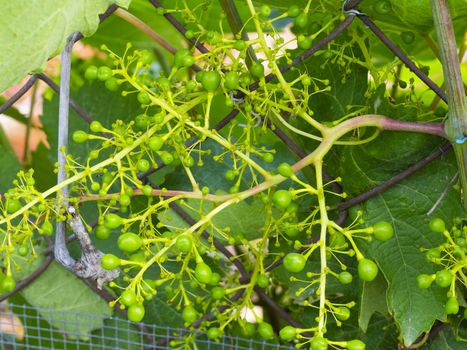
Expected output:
{"points": [[33, 31], [117, 333], [405, 207], [10, 166], [73, 301], [413, 15], [373, 299], [445, 341], [241, 217], [370, 164], [160, 312]]}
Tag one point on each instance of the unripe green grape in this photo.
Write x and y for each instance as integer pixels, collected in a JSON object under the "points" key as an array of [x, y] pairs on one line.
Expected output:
{"points": [[262, 281], [141, 122], [166, 157], [367, 270], [264, 11], [143, 98], [143, 165], [164, 83], [95, 186], [433, 254], [109, 261], [13, 205], [217, 293], [424, 281], [179, 55], [189, 34], [128, 297], [124, 200], [47, 228], [443, 278], [288, 333], [136, 312], [304, 42], [265, 330], [189, 162], [291, 231], [112, 221], [104, 73], [231, 81], [285, 170], [282, 199], [184, 243], [214, 333], [147, 190], [102, 232], [203, 273], [23, 250], [452, 306], [293, 11], [294, 262], [383, 230], [188, 61], [95, 126], [257, 70], [268, 157], [437, 225], [356, 345], [215, 279], [8, 284], [111, 84], [461, 241], [345, 277], [129, 242], [210, 80], [342, 313], [301, 20], [230, 175], [189, 314], [91, 73], [155, 143], [80, 136], [318, 343]]}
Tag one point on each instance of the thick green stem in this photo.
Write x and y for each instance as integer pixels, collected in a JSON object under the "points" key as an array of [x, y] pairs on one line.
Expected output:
{"points": [[456, 124]]}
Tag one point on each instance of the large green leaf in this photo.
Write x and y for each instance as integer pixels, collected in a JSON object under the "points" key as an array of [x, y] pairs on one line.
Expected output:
{"points": [[66, 302], [363, 167], [10, 166], [32, 31], [241, 217], [415, 14], [405, 206], [445, 341], [159, 312], [373, 299]]}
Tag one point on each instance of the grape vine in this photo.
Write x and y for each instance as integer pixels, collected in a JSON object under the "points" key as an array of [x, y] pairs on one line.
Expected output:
{"points": [[178, 129]]}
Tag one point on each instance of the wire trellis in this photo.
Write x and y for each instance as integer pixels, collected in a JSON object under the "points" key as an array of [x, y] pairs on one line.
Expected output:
{"points": [[115, 333], [118, 333]]}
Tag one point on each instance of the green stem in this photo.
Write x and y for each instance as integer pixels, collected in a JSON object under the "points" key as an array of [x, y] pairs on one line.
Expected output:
{"points": [[456, 124], [322, 247]]}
